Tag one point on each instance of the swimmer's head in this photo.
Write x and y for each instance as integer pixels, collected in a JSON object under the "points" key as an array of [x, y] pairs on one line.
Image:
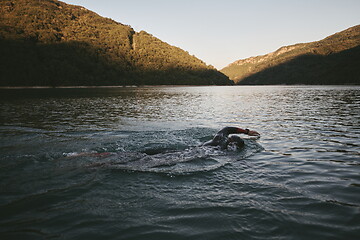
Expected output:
{"points": [[237, 141]]}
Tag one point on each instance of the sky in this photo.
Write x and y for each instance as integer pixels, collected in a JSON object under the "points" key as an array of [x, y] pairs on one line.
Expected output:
{"points": [[220, 32]]}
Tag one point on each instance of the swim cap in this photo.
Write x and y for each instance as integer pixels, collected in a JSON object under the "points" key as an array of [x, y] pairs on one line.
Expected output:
{"points": [[238, 141]]}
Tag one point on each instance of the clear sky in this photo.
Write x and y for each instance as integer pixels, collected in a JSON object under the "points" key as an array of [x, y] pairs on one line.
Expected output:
{"points": [[222, 31]]}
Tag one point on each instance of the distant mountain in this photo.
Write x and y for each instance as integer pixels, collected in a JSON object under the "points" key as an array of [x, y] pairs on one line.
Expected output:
{"points": [[49, 42], [333, 60]]}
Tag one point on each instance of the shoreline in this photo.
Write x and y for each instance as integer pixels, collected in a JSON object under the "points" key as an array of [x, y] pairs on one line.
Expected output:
{"points": [[165, 86], [120, 86]]}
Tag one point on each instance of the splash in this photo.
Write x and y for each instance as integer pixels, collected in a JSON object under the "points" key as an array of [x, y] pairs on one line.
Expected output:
{"points": [[170, 161]]}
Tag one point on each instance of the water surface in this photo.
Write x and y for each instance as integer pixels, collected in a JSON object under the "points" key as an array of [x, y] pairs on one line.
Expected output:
{"points": [[300, 180]]}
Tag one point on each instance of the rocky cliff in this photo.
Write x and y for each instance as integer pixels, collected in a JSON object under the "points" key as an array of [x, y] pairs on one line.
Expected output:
{"points": [[50, 43], [333, 60]]}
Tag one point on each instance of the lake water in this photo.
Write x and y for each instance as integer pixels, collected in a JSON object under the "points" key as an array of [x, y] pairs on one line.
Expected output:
{"points": [[153, 180]]}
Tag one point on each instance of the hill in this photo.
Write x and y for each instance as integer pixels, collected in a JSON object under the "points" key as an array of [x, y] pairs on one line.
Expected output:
{"points": [[333, 60], [52, 43]]}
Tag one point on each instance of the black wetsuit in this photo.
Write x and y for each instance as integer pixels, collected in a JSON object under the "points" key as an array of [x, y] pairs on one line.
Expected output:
{"points": [[221, 138]]}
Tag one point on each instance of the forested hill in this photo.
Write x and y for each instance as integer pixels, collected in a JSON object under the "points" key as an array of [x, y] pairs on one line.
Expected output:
{"points": [[333, 60], [50, 43]]}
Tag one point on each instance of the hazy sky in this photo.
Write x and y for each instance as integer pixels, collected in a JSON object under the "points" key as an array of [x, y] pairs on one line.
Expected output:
{"points": [[222, 31]]}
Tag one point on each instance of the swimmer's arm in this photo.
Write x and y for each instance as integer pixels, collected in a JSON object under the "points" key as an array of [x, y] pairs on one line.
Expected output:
{"points": [[235, 130], [252, 133]]}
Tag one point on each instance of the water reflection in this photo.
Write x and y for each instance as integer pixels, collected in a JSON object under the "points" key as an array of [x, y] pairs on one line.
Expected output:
{"points": [[251, 106]]}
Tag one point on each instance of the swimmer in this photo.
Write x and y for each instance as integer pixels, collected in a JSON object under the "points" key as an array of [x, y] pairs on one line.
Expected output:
{"points": [[223, 139]]}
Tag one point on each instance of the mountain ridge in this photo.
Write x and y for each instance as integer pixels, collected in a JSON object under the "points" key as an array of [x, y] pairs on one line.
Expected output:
{"points": [[53, 43], [314, 60]]}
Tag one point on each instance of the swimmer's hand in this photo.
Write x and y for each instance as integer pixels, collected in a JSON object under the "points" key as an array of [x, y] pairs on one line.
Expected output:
{"points": [[253, 133]]}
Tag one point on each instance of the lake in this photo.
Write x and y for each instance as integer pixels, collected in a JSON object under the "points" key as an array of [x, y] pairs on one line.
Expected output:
{"points": [[127, 163]]}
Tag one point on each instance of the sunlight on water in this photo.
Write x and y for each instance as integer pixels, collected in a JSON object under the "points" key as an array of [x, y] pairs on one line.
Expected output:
{"points": [[127, 163]]}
